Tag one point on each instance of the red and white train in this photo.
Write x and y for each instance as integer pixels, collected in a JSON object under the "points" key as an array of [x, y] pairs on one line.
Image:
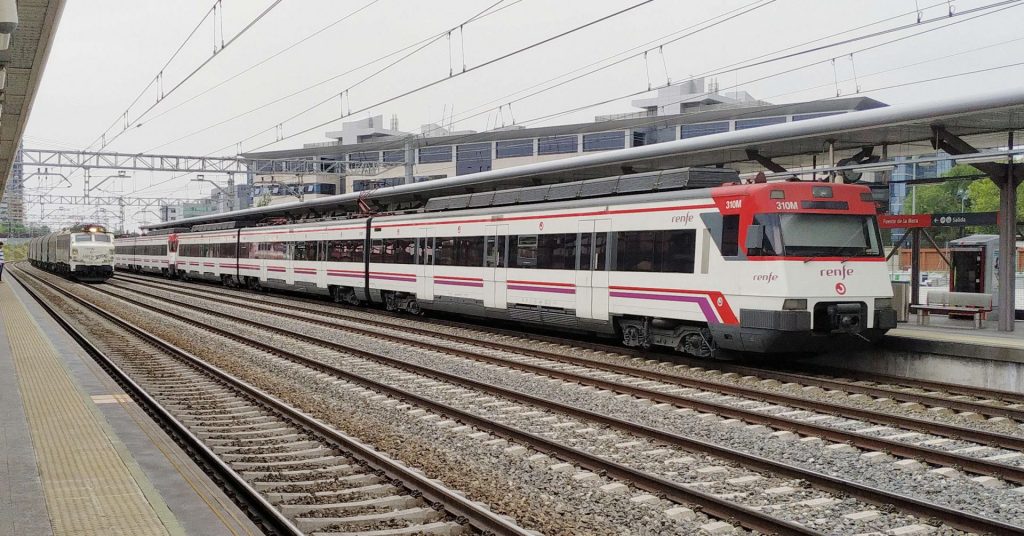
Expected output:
{"points": [[767, 267]]}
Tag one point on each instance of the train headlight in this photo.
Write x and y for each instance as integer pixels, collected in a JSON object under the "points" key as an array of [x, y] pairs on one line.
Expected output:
{"points": [[74, 251], [793, 304], [883, 303]]}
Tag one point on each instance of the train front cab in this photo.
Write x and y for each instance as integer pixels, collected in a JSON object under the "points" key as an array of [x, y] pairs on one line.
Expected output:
{"points": [[91, 256], [812, 270]]}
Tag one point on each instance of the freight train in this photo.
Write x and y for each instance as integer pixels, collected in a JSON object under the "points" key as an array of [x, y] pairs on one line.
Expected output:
{"points": [[83, 252], [765, 267]]}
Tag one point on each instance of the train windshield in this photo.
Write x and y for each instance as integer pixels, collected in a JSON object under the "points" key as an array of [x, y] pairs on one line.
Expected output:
{"points": [[820, 235], [91, 237]]}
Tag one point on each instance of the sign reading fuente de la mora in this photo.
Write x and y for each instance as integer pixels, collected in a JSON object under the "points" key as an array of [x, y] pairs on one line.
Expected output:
{"points": [[947, 219]]}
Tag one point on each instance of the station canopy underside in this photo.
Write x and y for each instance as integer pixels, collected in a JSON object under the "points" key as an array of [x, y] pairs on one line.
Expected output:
{"points": [[903, 130]]}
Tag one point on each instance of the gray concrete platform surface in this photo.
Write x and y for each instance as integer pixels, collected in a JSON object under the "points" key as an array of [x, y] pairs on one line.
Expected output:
{"points": [[77, 455], [947, 350]]}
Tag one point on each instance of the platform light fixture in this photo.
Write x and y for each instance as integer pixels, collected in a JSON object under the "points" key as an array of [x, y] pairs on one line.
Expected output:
{"points": [[997, 159], [877, 169], [8, 22]]}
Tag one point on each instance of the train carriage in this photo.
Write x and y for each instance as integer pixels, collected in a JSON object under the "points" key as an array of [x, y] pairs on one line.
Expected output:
{"points": [[764, 267], [149, 254]]}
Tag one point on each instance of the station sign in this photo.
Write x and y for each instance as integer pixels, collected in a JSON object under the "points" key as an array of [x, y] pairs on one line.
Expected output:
{"points": [[947, 219], [904, 221], [963, 219]]}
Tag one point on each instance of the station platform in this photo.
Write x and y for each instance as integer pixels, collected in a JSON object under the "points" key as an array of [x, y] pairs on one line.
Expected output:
{"points": [[77, 455], [955, 337], [946, 350]]}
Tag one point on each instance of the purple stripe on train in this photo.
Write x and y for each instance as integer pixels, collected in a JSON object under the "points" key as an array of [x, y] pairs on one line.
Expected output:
{"points": [[394, 278], [556, 290], [701, 301], [459, 283]]}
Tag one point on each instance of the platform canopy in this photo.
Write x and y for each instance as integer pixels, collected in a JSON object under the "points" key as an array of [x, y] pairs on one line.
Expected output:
{"points": [[980, 120], [24, 62]]}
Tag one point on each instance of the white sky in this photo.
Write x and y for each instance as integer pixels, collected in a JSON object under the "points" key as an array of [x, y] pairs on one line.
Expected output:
{"points": [[106, 51]]}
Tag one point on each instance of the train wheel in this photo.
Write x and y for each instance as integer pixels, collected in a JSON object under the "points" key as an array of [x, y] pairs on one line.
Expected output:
{"points": [[413, 307], [697, 344], [391, 302]]}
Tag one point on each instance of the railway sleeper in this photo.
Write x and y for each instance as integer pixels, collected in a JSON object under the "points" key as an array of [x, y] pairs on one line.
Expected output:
{"points": [[418, 515], [390, 501]]}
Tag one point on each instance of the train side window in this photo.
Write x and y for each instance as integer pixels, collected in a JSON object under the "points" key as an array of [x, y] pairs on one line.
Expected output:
{"points": [[404, 251], [299, 251], [635, 251], [601, 251], [427, 251], [313, 251], [376, 251], [444, 251], [730, 236], [356, 248], [469, 251], [243, 250], [494, 252], [556, 252], [679, 248], [522, 251], [584, 250]]}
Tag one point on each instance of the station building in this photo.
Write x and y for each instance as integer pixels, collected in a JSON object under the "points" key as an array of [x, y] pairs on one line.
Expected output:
{"points": [[364, 155]]}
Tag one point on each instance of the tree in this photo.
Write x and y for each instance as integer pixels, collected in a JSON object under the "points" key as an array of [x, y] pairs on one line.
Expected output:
{"points": [[947, 196], [984, 196]]}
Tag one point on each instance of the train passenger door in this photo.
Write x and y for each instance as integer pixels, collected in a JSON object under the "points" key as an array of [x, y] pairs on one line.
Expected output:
{"points": [[426, 267], [592, 272], [495, 266]]}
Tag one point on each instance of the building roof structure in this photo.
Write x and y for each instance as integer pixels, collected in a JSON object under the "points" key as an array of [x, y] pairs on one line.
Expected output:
{"points": [[982, 120]]}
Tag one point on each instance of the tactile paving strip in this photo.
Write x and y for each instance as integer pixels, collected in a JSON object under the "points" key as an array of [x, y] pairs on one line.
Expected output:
{"points": [[88, 488]]}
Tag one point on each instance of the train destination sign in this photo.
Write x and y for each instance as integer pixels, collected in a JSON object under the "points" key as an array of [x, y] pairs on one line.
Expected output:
{"points": [[947, 219]]}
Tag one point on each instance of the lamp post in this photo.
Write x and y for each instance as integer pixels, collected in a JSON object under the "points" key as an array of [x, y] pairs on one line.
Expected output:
{"points": [[229, 192]]}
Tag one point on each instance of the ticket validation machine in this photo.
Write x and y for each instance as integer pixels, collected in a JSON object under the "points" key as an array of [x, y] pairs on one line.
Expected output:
{"points": [[974, 264]]}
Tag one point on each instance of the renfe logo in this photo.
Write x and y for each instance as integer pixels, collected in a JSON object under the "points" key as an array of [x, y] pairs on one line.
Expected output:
{"points": [[767, 278], [683, 218], [840, 289], [841, 273]]}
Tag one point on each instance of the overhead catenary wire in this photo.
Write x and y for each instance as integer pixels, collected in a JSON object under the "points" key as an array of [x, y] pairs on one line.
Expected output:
{"points": [[955, 19], [467, 71], [165, 94], [490, 10], [877, 33], [156, 78], [263, 61], [438, 81], [417, 46], [761, 110], [506, 98]]}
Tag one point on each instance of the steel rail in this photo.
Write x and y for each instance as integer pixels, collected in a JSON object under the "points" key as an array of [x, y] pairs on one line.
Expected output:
{"points": [[453, 503], [785, 376], [955, 518], [713, 506], [877, 417], [244, 494]]}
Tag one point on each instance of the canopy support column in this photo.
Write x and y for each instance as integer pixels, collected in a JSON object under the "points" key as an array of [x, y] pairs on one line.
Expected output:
{"points": [[1007, 243]]}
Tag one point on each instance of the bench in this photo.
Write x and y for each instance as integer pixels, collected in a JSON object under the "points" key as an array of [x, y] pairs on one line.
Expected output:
{"points": [[971, 304]]}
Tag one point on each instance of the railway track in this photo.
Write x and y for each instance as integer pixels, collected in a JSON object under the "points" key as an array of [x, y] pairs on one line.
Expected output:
{"points": [[553, 365], [294, 473], [955, 518], [931, 394]]}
